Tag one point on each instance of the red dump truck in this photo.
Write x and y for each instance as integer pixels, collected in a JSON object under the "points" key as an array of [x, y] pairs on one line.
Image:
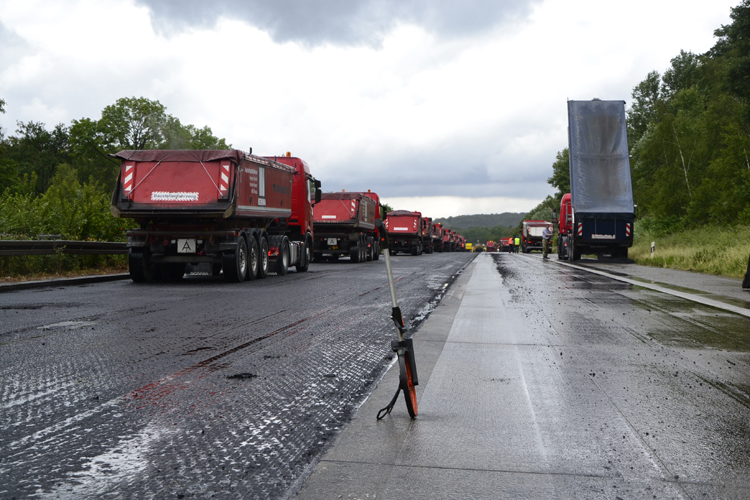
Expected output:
{"points": [[449, 240], [531, 234], [460, 245], [491, 246], [345, 225], [437, 237], [404, 232], [244, 215], [427, 227]]}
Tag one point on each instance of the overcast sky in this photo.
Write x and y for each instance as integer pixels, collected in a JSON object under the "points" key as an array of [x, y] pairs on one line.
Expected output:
{"points": [[444, 106]]}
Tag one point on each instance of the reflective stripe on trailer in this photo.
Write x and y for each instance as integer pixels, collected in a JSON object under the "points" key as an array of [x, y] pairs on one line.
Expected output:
{"points": [[127, 182], [627, 229], [580, 229], [224, 180]]}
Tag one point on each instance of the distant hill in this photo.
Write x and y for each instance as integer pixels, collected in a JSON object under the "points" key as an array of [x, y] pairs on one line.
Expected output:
{"points": [[482, 220]]}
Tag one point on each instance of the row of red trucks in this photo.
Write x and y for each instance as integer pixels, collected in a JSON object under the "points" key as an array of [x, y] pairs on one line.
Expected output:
{"points": [[409, 232], [243, 216]]}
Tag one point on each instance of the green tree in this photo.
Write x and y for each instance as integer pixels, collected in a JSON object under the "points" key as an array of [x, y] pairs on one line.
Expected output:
{"points": [[133, 123], [36, 150], [646, 100], [561, 174]]}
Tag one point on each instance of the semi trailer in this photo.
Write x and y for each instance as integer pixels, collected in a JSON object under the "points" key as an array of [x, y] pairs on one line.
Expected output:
{"points": [[243, 215], [404, 232], [600, 217], [345, 225]]}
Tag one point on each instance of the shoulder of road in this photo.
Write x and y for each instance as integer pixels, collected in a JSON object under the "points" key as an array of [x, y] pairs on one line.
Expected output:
{"points": [[56, 282]]}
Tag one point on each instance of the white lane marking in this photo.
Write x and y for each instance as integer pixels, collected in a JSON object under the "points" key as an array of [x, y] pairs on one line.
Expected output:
{"points": [[687, 296]]}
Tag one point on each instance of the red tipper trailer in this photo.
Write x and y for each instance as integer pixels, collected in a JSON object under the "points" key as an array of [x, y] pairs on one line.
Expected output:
{"points": [[437, 237], [404, 232], [244, 215], [448, 240], [345, 225], [460, 243], [427, 234]]}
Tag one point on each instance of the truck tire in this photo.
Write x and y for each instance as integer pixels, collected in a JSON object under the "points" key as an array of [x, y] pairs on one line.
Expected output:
{"points": [[253, 256], [138, 267], [283, 258], [624, 253], [414, 250], [304, 258], [363, 246], [376, 250], [235, 263], [263, 258], [354, 253]]}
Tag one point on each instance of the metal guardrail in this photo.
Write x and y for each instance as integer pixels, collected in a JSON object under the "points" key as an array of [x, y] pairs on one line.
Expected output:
{"points": [[54, 247]]}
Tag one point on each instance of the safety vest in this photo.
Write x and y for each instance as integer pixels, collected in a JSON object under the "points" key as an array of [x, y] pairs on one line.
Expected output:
{"points": [[517, 241]]}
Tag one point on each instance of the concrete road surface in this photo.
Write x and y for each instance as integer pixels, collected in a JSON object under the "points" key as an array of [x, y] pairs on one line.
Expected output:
{"points": [[539, 380]]}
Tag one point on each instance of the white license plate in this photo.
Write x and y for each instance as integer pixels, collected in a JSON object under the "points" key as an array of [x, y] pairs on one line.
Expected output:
{"points": [[333, 241], [186, 245]]}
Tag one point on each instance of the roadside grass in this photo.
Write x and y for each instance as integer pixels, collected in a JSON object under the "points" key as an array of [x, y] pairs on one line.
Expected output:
{"points": [[20, 268], [709, 250]]}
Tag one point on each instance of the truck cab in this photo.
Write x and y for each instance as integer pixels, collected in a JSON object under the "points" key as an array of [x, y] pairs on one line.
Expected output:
{"points": [[564, 226]]}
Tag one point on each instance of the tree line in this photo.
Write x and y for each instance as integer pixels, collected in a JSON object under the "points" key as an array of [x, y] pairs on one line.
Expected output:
{"points": [[59, 180], [689, 138]]}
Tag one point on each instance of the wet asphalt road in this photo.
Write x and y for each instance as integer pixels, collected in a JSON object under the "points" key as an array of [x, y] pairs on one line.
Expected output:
{"points": [[197, 389], [657, 385], [203, 388]]}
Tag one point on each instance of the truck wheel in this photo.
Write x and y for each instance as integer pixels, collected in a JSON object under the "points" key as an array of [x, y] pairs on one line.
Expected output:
{"points": [[624, 253], [376, 251], [304, 258], [252, 258], [235, 263], [370, 248], [354, 254], [139, 268], [363, 247], [282, 259], [263, 258]]}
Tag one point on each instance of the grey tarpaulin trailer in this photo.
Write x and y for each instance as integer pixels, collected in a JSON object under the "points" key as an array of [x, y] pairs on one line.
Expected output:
{"points": [[600, 183]]}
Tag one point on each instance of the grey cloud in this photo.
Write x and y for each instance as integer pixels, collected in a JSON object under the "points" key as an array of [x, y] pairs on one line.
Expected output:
{"points": [[341, 22], [431, 174]]}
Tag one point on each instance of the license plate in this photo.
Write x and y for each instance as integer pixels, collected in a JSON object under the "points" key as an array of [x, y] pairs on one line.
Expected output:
{"points": [[186, 245], [333, 241]]}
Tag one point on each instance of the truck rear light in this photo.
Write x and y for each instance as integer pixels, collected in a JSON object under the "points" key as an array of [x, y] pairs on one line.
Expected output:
{"points": [[273, 251]]}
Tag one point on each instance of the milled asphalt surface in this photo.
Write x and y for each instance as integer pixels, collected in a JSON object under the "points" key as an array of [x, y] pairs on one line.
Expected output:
{"points": [[510, 404]]}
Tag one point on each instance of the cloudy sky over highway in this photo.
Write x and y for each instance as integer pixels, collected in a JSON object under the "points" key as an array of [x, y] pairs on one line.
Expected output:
{"points": [[449, 107]]}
